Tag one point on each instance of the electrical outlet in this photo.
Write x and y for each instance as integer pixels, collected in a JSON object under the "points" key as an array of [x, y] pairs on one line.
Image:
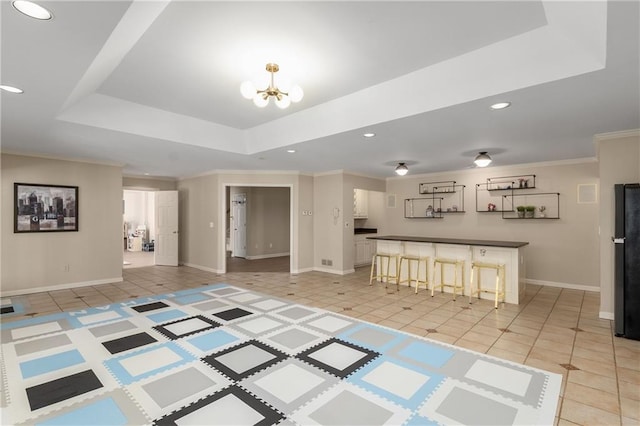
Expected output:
{"points": [[329, 262], [270, 245], [324, 261]]}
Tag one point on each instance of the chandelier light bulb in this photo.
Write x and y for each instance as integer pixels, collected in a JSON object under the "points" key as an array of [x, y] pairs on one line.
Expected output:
{"points": [[260, 101], [283, 102], [296, 94], [248, 90]]}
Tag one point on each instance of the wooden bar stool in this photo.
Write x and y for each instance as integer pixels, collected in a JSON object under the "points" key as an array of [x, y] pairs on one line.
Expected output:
{"points": [[382, 273], [419, 260], [458, 264], [499, 290]]}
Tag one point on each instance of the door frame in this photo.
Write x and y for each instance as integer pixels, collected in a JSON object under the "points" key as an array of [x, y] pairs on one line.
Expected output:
{"points": [[222, 222]]}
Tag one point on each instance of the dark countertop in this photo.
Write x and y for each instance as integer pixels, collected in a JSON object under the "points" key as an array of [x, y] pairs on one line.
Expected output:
{"points": [[488, 243], [365, 230]]}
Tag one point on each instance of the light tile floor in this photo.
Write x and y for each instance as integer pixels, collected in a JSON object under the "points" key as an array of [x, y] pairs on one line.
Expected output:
{"points": [[554, 329]]}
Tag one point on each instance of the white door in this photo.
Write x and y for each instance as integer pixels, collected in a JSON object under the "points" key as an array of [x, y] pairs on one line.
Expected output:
{"points": [[239, 218], [166, 243]]}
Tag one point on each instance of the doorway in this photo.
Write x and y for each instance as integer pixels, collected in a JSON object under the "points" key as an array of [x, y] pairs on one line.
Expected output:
{"points": [[138, 228], [258, 224]]}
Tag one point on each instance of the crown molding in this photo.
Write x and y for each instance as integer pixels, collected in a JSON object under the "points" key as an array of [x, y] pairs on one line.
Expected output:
{"points": [[474, 170], [59, 158], [616, 135], [241, 172], [162, 178]]}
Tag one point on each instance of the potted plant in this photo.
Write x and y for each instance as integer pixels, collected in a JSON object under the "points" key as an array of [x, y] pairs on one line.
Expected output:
{"points": [[542, 210], [529, 212], [520, 210]]}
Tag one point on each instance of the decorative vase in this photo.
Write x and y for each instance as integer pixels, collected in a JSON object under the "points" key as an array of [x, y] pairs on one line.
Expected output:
{"points": [[521, 214], [528, 214]]}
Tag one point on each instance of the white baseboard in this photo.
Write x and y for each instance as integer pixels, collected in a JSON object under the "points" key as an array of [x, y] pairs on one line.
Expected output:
{"points": [[204, 268], [303, 270], [333, 271], [564, 285], [606, 315], [266, 256], [60, 286]]}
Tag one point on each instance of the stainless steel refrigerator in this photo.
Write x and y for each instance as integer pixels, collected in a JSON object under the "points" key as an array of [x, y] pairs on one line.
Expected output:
{"points": [[627, 261]]}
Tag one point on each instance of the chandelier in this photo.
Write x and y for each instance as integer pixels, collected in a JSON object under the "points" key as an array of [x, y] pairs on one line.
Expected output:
{"points": [[261, 97]]}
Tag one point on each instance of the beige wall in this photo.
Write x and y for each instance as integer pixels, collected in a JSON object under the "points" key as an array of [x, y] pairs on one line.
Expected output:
{"points": [[198, 207], [560, 252], [304, 244], [268, 225], [202, 201], [94, 253], [327, 228], [619, 162]]}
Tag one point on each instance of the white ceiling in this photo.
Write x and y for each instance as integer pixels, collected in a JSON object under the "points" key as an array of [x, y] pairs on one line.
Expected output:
{"points": [[154, 85]]}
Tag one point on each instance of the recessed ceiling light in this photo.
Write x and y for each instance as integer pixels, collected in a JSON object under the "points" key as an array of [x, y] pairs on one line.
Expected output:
{"points": [[291, 151], [501, 105], [146, 174], [32, 10], [11, 89], [369, 135]]}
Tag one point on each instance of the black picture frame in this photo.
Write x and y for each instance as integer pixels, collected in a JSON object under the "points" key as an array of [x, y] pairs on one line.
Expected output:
{"points": [[45, 208]]}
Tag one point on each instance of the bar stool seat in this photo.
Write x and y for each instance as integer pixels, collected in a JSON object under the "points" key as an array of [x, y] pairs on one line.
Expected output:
{"points": [[419, 260], [499, 290], [458, 265], [381, 273]]}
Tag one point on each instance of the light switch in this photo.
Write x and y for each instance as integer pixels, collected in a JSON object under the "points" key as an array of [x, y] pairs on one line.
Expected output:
{"points": [[210, 224]]}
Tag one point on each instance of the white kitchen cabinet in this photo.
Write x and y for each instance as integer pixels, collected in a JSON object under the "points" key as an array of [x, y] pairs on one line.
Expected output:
{"points": [[364, 249], [360, 204]]}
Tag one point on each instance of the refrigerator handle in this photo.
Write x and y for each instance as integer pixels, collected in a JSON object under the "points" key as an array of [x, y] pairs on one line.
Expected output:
{"points": [[618, 240]]}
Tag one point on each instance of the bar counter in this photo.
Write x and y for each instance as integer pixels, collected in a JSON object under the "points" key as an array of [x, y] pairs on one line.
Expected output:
{"points": [[509, 253], [465, 242]]}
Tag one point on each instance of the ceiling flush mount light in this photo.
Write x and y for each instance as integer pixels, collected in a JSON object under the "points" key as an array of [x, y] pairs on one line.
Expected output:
{"points": [[32, 10], [482, 159], [261, 97], [402, 169], [11, 89], [501, 105], [369, 135]]}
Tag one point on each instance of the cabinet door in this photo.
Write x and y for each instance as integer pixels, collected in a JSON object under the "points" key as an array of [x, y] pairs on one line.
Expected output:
{"points": [[360, 204], [361, 253], [371, 249]]}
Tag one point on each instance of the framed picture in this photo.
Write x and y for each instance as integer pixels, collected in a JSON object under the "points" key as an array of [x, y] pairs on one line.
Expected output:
{"points": [[45, 208]]}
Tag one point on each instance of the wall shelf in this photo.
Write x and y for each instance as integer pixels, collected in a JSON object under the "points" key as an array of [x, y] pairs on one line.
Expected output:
{"points": [[449, 194], [489, 201], [506, 183], [423, 208], [550, 201]]}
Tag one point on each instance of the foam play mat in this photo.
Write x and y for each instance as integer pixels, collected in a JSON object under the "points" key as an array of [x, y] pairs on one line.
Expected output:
{"points": [[223, 355]]}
